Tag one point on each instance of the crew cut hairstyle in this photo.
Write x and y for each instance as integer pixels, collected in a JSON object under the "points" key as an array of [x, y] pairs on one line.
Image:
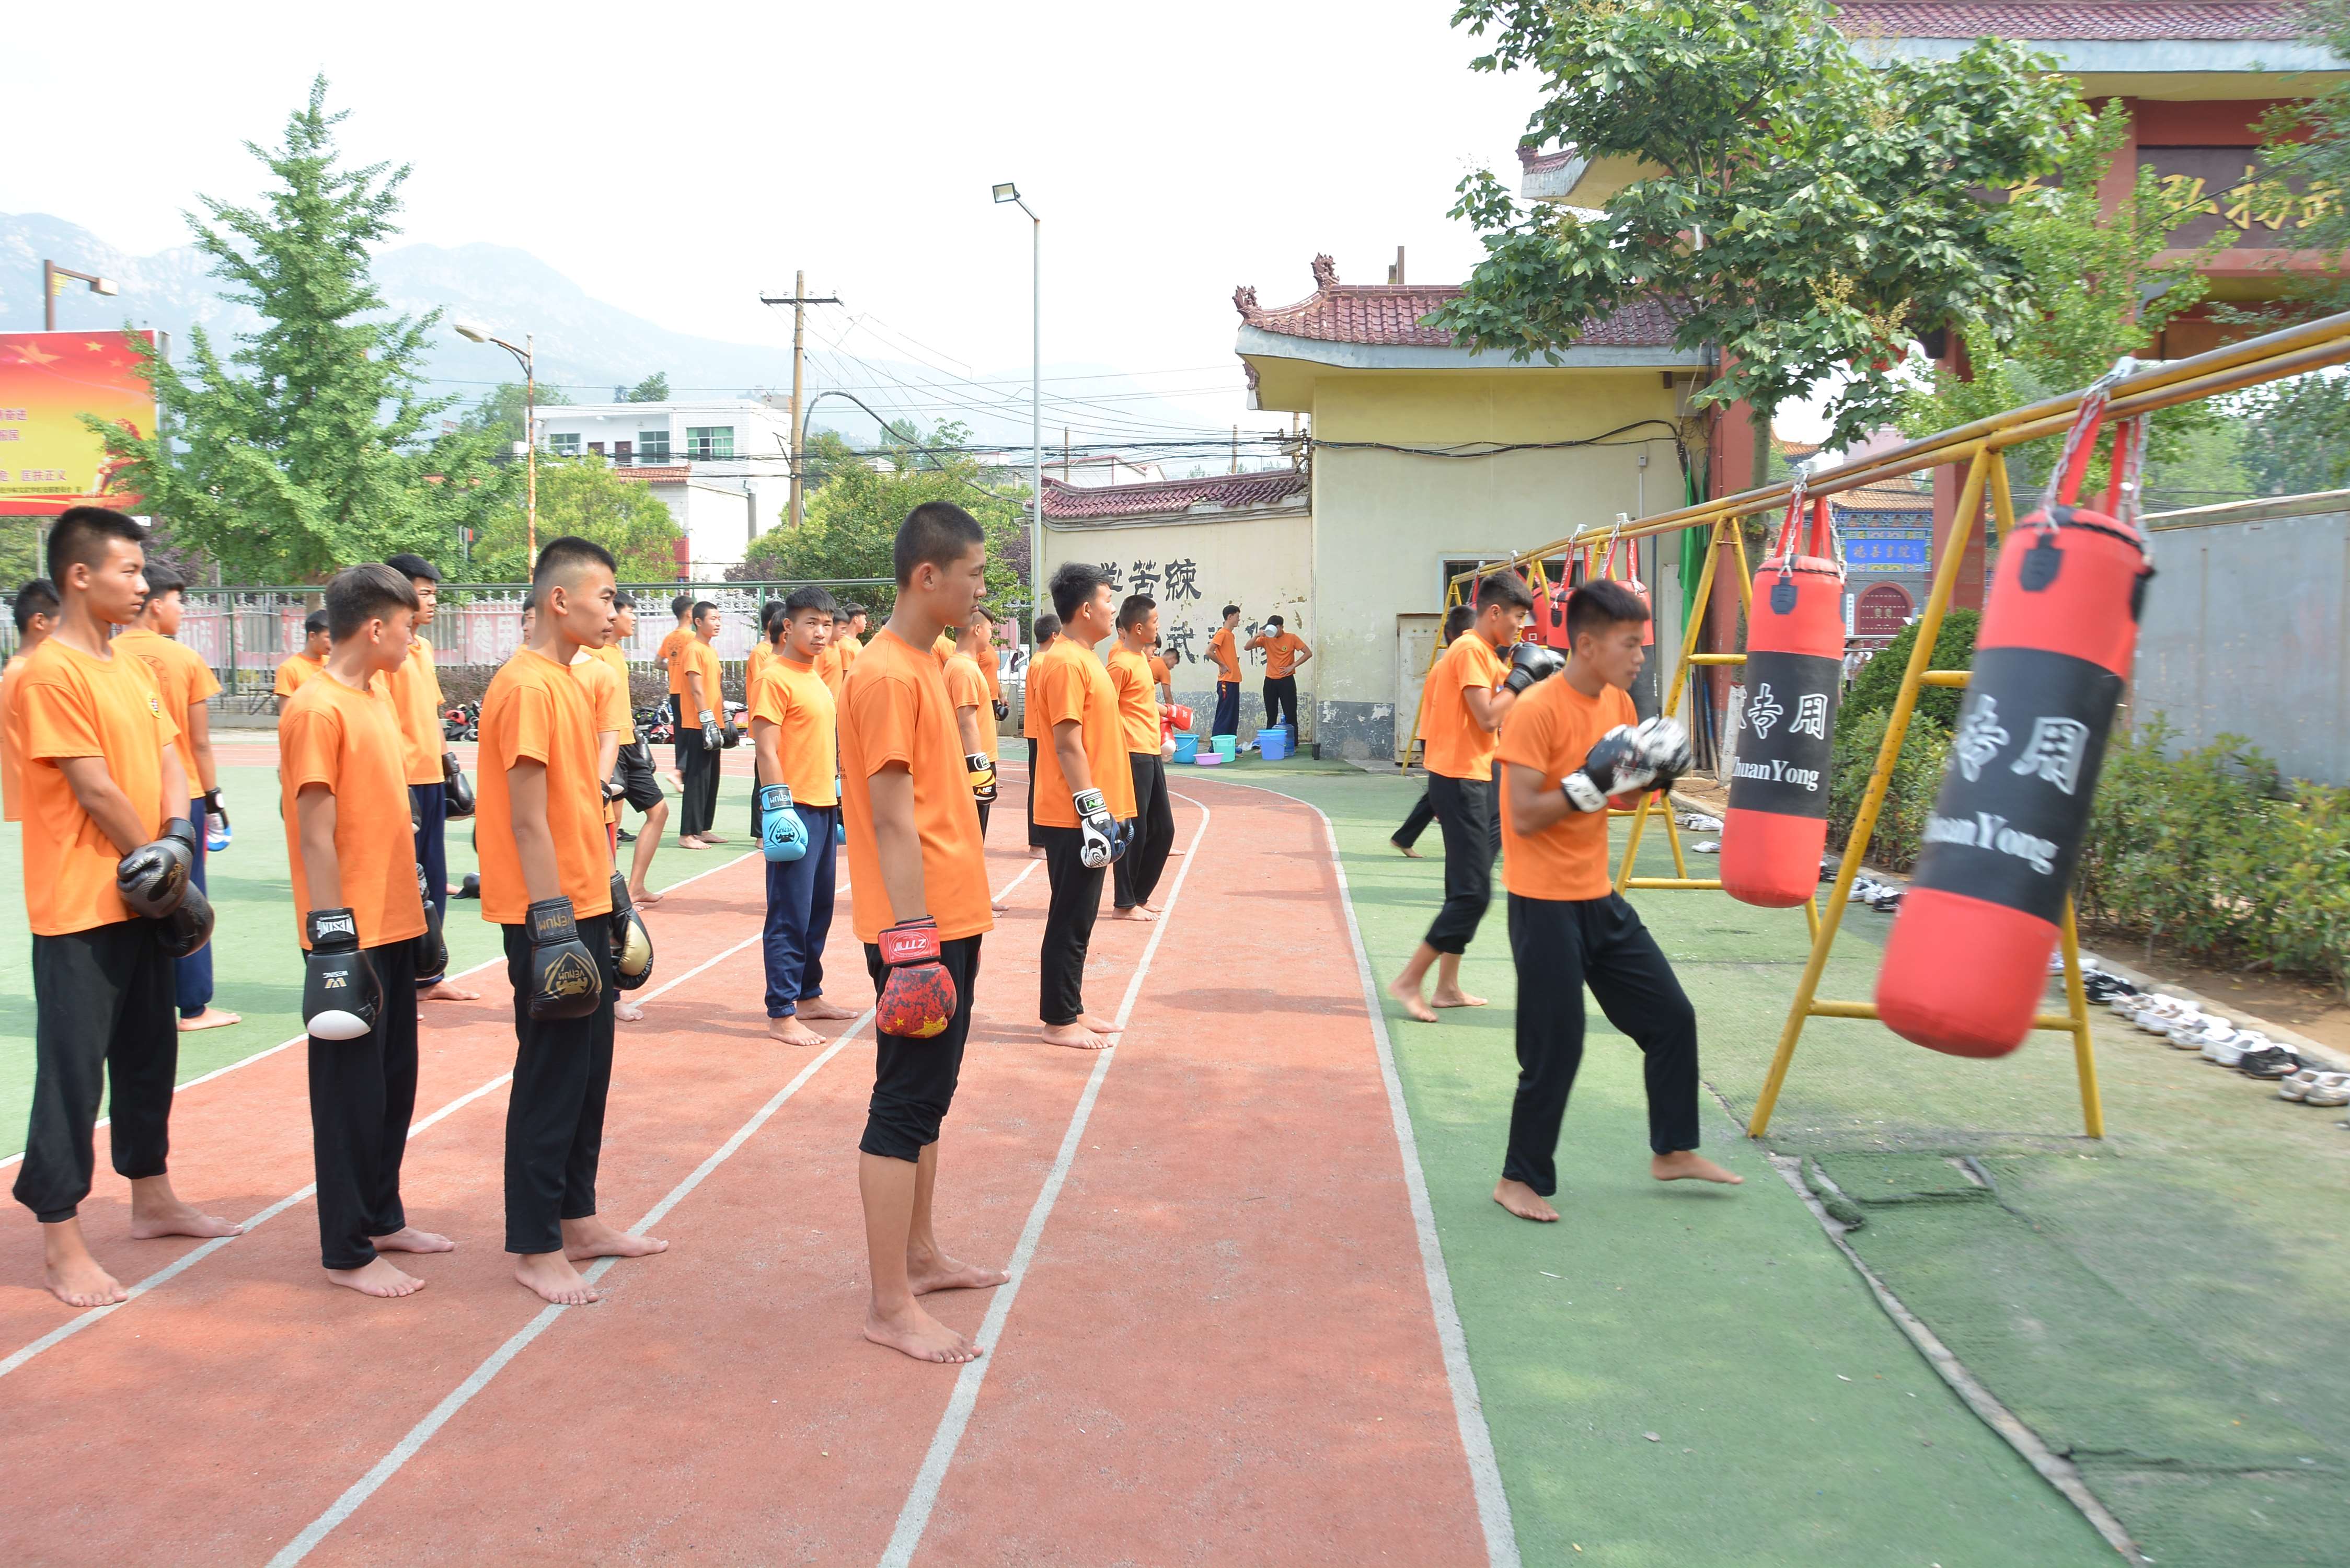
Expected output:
{"points": [[560, 561], [1457, 622], [985, 614], [79, 536], [37, 596], [935, 534], [1135, 610], [1275, 623], [624, 599], [811, 597], [361, 594], [316, 621], [1596, 605], [770, 612], [413, 567], [1231, 610], [702, 608], [1504, 588], [679, 605], [163, 579], [853, 610], [1048, 628], [1075, 582]]}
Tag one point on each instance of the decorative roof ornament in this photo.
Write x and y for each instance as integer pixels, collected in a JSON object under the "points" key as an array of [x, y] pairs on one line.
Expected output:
{"points": [[1325, 275], [1244, 301]]}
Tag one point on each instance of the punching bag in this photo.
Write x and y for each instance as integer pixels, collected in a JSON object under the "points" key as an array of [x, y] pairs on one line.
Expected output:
{"points": [[1777, 823], [1967, 961], [1631, 578], [1548, 627]]}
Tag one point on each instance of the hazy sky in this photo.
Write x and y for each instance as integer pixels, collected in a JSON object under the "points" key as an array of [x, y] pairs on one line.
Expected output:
{"points": [[676, 160]]}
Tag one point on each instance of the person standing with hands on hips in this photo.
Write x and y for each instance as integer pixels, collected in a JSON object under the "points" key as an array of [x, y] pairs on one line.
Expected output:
{"points": [[793, 736], [1226, 655], [1283, 651], [1567, 749]]}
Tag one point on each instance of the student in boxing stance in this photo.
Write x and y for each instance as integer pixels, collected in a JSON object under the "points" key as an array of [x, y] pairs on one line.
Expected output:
{"points": [[670, 654], [1135, 877], [1046, 627], [705, 699], [1468, 693], [1457, 621], [294, 670], [438, 789], [640, 786], [1568, 747], [608, 706], [571, 937], [918, 877], [1284, 652], [188, 685], [108, 857], [365, 928], [1084, 796], [35, 611], [796, 740], [1225, 653]]}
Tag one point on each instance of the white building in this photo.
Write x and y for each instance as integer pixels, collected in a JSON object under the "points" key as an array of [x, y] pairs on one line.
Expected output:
{"points": [[722, 466]]}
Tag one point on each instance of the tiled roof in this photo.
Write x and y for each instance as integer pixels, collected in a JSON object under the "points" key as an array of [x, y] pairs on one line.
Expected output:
{"points": [[645, 474], [2096, 21], [1537, 163], [1388, 316], [1227, 491], [1901, 494]]}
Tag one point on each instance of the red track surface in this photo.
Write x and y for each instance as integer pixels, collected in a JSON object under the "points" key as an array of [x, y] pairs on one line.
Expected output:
{"points": [[1222, 1350]]}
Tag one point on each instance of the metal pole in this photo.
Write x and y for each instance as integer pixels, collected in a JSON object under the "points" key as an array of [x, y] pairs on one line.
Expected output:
{"points": [[530, 440], [48, 296], [1036, 416], [799, 327]]}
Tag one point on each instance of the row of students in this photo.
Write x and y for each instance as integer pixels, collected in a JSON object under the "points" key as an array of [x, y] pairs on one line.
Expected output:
{"points": [[1285, 652]]}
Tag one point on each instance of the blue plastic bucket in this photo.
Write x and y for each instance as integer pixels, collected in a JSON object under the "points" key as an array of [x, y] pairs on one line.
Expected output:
{"points": [[1227, 746], [1187, 746], [1272, 744]]}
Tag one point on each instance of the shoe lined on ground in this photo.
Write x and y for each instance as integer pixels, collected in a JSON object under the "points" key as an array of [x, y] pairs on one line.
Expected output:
{"points": [[2104, 987], [2201, 1033], [2269, 1062], [2293, 1085], [1698, 822], [2228, 1050], [2330, 1090], [1706, 846], [2156, 1014]]}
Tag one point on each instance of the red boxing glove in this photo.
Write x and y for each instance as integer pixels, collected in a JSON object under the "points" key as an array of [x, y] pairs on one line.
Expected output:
{"points": [[917, 1000]]}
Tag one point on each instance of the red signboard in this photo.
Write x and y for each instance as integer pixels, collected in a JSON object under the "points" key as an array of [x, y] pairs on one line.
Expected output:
{"points": [[1882, 610], [49, 459]]}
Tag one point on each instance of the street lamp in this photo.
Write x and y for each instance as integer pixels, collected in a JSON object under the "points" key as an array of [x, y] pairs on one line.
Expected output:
{"points": [[1007, 191], [53, 284], [529, 443]]}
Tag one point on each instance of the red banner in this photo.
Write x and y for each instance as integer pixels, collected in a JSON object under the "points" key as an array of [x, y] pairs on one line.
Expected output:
{"points": [[49, 459]]}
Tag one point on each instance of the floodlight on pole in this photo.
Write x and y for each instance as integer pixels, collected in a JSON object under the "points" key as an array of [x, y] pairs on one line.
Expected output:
{"points": [[527, 360], [52, 282], [1008, 191]]}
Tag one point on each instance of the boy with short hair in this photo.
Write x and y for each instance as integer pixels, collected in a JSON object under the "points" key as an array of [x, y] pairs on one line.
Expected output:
{"points": [[985, 619], [1457, 621], [712, 730], [35, 610], [1227, 658], [918, 887], [974, 711], [1136, 876], [608, 706], [794, 736], [1047, 627], [1284, 652], [305, 663], [1567, 749], [854, 643], [107, 856], [438, 790], [635, 779], [364, 925], [188, 685], [671, 653], [547, 882]]}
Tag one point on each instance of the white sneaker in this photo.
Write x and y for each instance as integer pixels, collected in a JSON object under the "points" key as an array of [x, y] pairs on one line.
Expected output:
{"points": [[2159, 1012]]}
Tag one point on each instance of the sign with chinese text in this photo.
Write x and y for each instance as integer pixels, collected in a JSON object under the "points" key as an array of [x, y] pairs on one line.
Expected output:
{"points": [[1882, 610], [1887, 549], [49, 459]]}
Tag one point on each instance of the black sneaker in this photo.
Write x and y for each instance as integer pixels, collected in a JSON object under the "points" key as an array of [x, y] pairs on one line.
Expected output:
{"points": [[627, 838], [2275, 1061]]}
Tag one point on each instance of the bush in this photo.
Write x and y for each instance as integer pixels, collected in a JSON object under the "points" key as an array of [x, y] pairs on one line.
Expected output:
{"points": [[1916, 774], [1879, 680]]}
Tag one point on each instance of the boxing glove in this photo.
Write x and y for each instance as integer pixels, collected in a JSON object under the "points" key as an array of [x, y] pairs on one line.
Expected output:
{"points": [[1614, 766], [1664, 744], [455, 788], [154, 877], [471, 888], [341, 996], [217, 832], [563, 979], [431, 949], [710, 742], [729, 737], [614, 791], [1128, 835], [980, 770], [1002, 710], [1097, 830], [632, 945], [188, 926], [782, 837], [917, 999], [1530, 662]]}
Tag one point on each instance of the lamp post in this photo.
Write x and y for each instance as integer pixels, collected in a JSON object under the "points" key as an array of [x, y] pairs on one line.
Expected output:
{"points": [[52, 284], [522, 356], [1011, 192]]}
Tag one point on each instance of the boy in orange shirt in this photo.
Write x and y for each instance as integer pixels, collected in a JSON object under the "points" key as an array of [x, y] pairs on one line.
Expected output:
{"points": [[1084, 796], [796, 738], [919, 889], [106, 860], [1227, 659], [1048, 628], [1566, 750], [1283, 651], [637, 784], [1457, 621], [365, 929], [35, 610], [710, 729], [1136, 876], [438, 790], [607, 685], [547, 882], [312, 658], [1468, 693]]}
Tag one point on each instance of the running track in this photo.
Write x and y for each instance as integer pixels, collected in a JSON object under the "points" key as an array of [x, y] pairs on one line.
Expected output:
{"points": [[1227, 1340]]}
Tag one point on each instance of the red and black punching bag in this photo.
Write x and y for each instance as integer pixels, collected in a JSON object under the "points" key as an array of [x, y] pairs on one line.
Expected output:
{"points": [[1631, 579], [1967, 961], [1777, 821], [1548, 627]]}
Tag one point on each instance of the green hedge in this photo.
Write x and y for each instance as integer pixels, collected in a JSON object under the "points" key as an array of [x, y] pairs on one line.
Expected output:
{"points": [[1916, 774], [1879, 680]]}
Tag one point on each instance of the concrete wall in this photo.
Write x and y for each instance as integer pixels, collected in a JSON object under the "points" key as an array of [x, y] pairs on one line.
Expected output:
{"points": [[2246, 631]]}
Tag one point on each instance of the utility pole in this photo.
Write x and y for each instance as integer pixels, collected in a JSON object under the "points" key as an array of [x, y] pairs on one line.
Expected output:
{"points": [[799, 302]]}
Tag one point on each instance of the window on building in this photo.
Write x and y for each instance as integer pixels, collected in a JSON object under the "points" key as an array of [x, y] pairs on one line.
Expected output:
{"points": [[710, 440], [652, 446], [563, 445]]}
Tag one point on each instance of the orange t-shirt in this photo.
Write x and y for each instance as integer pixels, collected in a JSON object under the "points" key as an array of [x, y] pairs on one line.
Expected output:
{"points": [[967, 688], [800, 707], [1028, 711], [12, 738], [1138, 703], [753, 663], [897, 711], [628, 715], [1458, 747], [536, 710], [350, 742], [608, 693], [671, 646], [292, 672], [1552, 731], [1279, 653], [1158, 671], [995, 677], [182, 676], [850, 648], [73, 705], [699, 658], [1227, 658], [416, 697], [830, 669], [1069, 682]]}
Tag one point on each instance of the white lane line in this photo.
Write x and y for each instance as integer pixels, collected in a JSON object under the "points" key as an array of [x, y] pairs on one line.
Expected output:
{"points": [[318, 1529], [915, 1516]]}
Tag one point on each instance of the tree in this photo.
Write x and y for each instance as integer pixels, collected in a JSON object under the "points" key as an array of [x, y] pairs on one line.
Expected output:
{"points": [[2307, 154], [654, 388], [2292, 430], [502, 410], [305, 448], [582, 495], [1808, 211]]}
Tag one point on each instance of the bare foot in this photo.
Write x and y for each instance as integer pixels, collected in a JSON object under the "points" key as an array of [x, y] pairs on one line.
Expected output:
{"points": [[447, 991], [690, 844], [1407, 997], [1444, 998], [551, 1275], [210, 1018], [1035, 852], [643, 896], [408, 1238], [173, 1218], [998, 907], [940, 1272], [1099, 1025], [713, 838], [79, 1282], [628, 1012], [1524, 1201], [591, 1238], [1135, 913], [376, 1279], [1688, 1164], [1407, 851], [792, 1032], [817, 1007], [1076, 1036], [919, 1335]]}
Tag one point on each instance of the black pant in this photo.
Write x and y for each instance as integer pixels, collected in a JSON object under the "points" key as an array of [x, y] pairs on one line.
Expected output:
{"points": [[1464, 810], [104, 1015], [1561, 946], [1227, 720], [1138, 869], [362, 1094], [682, 737], [431, 806], [555, 1111], [1069, 926], [1415, 822], [698, 814], [914, 1080], [1035, 834], [1278, 695]]}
